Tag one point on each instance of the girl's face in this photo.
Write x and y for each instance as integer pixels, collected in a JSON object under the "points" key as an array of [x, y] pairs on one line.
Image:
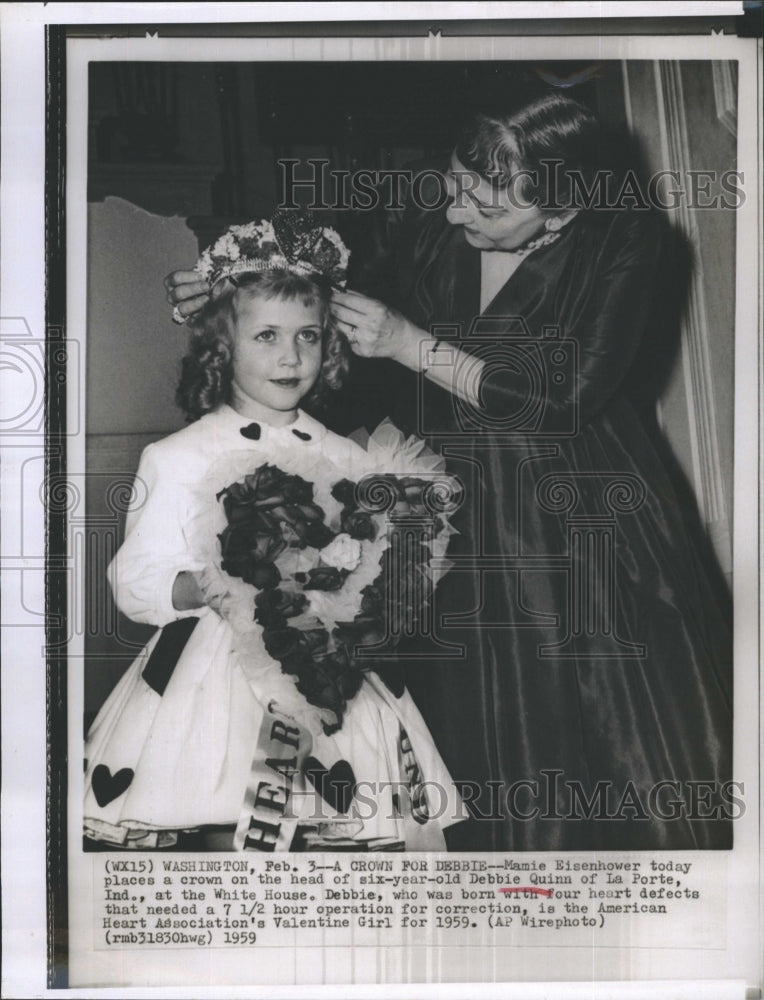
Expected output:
{"points": [[277, 356]]}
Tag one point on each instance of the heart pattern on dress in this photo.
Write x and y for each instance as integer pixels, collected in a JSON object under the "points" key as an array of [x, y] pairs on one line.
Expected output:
{"points": [[335, 786], [251, 431], [108, 786]]}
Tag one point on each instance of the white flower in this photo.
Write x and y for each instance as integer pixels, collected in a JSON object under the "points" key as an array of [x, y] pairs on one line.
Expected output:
{"points": [[343, 553], [227, 247]]}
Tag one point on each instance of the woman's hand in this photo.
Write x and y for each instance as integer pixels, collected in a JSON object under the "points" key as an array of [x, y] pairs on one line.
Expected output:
{"points": [[374, 330], [187, 292]]}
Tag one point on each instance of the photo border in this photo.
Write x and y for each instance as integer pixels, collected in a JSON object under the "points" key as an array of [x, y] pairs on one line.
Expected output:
{"points": [[57, 371]]}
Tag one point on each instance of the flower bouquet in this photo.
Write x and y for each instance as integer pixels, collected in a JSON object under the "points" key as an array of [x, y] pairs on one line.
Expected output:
{"points": [[322, 591], [327, 591]]}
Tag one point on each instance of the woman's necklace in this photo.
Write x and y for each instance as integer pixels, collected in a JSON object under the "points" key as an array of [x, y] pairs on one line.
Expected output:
{"points": [[550, 236]]}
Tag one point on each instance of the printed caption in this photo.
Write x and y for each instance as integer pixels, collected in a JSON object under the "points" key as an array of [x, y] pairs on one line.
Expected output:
{"points": [[156, 901]]}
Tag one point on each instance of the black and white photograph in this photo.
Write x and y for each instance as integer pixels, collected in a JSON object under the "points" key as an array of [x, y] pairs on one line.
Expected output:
{"points": [[399, 481], [577, 676]]}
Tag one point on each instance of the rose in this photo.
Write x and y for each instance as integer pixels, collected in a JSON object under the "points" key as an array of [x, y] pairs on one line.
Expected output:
{"points": [[363, 631], [249, 555], [270, 486], [343, 552], [245, 504], [329, 682], [237, 503], [302, 524], [322, 695], [320, 679], [325, 578], [373, 601], [243, 541], [291, 524], [264, 523], [273, 607], [265, 480], [315, 638], [317, 535], [262, 576], [281, 643], [290, 489], [297, 490], [358, 524], [344, 492]]}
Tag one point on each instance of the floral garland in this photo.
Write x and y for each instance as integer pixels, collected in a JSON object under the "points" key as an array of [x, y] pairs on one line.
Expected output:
{"points": [[323, 592], [292, 241]]}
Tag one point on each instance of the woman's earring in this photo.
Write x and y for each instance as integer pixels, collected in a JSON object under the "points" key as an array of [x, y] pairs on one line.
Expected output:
{"points": [[553, 225]]}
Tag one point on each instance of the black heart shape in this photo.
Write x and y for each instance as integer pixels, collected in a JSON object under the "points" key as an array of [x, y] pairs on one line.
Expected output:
{"points": [[108, 786], [251, 431], [336, 786]]}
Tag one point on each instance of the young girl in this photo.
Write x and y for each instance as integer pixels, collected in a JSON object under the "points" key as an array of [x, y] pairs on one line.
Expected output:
{"points": [[206, 732]]}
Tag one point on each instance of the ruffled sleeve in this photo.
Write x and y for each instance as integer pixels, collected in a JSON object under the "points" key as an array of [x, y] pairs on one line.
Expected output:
{"points": [[156, 548]]}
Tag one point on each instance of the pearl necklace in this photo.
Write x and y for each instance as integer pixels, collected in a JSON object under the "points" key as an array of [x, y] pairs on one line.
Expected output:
{"points": [[553, 233]]}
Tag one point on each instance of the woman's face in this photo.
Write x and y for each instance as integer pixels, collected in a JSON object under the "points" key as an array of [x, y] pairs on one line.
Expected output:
{"points": [[491, 218], [277, 356]]}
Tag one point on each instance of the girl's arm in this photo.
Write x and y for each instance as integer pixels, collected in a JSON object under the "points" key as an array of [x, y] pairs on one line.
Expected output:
{"points": [[151, 575]]}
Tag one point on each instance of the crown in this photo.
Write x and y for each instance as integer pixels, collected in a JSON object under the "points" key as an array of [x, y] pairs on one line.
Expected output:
{"points": [[291, 241]]}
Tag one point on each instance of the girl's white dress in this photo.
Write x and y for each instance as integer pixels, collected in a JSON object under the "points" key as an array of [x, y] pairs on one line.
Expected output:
{"points": [[188, 743]]}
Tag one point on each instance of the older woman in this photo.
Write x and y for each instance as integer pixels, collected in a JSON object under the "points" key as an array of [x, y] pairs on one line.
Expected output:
{"points": [[586, 702]]}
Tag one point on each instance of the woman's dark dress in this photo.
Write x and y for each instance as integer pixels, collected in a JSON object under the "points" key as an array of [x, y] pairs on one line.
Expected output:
{"points": [[594, 649]]}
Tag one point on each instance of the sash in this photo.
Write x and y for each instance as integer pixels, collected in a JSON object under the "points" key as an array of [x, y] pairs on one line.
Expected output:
{"points": [[420, 834], [267, 822], [268, 819]]}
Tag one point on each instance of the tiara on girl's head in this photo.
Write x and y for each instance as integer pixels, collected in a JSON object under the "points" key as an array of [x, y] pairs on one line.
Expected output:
{"points": [[292, 241]]}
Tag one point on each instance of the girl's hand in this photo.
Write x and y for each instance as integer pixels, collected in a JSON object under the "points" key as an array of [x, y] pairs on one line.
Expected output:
{"points": [[186, 592], [187, 292], [374, 330]]}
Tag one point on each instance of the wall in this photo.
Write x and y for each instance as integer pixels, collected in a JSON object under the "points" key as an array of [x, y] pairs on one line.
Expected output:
{"points": [[133, 361], [691, 131]]}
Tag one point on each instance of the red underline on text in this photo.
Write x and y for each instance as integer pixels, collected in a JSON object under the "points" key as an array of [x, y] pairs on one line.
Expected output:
{"points": [[527, 888]]}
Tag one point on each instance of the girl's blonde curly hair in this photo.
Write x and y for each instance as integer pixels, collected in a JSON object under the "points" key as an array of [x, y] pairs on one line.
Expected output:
{"points": [[207, 369]]}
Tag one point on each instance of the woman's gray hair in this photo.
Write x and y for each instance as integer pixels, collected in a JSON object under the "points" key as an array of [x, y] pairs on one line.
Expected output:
{"points": [[544, 151]]}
